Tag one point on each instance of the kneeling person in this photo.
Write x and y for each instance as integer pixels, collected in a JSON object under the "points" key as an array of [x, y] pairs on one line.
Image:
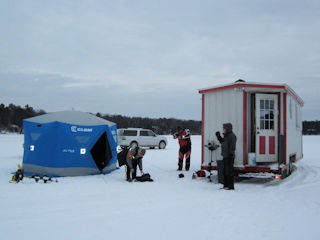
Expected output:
{"points": [[134, 159]]}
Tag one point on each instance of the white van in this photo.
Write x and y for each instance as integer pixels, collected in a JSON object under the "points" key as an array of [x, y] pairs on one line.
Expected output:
{"points": [[140, 137]]}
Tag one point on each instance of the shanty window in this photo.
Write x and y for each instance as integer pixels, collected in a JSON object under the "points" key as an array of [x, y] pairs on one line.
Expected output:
{"points": [[82, 139], [266, 114], [35, 136]]}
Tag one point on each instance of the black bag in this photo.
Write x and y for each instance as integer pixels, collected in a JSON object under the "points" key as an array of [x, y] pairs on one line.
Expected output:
{"points": [[144, 178], [122, 157]]}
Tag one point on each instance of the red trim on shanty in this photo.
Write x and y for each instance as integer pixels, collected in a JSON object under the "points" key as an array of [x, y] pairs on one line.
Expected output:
{"points": [[279, 124], [294, 96], [202, 131], [279, 118], [285, 127], [245, 155], [272, 144], [298, 99], [247, 169], [262, 144]]}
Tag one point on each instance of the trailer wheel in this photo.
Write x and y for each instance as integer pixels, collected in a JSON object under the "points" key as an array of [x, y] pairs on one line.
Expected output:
{"points": [[284, 173], [291, 167]]}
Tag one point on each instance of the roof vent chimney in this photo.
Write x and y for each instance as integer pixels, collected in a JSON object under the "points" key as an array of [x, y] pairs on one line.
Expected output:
{"points": [[240, 80]]}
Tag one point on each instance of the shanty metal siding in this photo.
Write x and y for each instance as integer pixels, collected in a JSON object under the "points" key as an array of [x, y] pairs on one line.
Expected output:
{"points": [[294, 128], [221, 107]]}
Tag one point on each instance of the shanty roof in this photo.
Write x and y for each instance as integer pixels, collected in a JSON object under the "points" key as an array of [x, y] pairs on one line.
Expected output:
{"points": [[242, 84]]}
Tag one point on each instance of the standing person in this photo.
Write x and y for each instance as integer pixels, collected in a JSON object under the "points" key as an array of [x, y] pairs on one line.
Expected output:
{"points": [[134, 159], [183, 135], [228, 147]]}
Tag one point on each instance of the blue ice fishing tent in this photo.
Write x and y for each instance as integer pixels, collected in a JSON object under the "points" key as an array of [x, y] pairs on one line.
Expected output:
{"points": [[69, 143]]}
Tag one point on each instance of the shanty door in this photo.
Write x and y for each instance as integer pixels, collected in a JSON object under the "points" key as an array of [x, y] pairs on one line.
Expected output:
{"points": [[266, 128]]}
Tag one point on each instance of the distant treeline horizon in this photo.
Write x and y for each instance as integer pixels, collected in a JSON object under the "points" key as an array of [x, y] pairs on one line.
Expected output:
{"points": [[12, 116]]}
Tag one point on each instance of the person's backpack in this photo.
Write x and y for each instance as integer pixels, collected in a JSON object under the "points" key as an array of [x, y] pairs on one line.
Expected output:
{"points": [[122, 157]]}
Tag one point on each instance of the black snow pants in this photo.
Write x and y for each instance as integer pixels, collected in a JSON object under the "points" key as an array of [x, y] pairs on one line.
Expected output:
{"points": [[134, 165], [228, 172], [185, 150]]}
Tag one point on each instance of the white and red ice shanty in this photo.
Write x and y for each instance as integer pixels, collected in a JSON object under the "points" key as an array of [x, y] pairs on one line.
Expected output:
{"points": [[266, 119]]}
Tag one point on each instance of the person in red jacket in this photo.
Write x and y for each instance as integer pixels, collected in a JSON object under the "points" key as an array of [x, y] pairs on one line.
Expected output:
{"points": [[183, 135]]}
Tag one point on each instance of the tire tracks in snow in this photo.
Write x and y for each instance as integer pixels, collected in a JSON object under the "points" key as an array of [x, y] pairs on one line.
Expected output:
{"points": [[303, 176]]}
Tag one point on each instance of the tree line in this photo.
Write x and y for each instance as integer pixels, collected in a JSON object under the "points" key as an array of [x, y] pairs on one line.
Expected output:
{"points": [[11, 116], [311, 127], [11, 120], [162, 126]]}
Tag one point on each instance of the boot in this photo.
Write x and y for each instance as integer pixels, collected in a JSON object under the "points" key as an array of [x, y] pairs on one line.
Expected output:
{"points": [[180, 164], [187, 166]]}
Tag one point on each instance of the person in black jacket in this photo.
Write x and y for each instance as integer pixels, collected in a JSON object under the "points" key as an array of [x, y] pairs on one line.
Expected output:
{"points": [[228, 147]]}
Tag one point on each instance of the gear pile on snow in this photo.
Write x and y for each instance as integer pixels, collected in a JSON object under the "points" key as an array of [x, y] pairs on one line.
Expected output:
{"points": [[198, 174], [18, 176]]}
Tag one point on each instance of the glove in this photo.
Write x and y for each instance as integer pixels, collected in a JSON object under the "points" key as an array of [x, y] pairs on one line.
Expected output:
{"points": [[218, 134]]}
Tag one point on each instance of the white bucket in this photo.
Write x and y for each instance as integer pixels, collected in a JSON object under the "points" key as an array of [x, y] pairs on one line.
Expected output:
{"points": [[252, 159]]}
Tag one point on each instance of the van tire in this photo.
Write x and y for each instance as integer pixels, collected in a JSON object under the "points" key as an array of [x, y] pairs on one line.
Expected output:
{"points": [[162, 145], [134, 144]]}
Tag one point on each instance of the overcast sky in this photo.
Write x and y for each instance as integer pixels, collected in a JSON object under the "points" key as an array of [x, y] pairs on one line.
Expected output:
{"points": [[149, 58]]}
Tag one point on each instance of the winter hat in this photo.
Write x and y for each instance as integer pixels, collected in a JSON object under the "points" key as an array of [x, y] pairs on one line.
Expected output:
{"points": [[227, 127], [141, 152]]}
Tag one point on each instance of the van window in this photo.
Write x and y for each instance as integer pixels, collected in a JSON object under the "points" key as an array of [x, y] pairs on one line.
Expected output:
{"points": [[130, 133], [151, 134], [144, 133]]}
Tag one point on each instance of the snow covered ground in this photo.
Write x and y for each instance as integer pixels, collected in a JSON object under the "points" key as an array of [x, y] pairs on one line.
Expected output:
{"points": [[108, 207]]}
